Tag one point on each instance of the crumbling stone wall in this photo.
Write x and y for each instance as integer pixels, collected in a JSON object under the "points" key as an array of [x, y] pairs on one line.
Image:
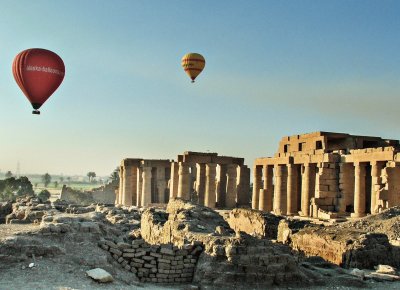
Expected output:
{"points": [[103, 194], [155, 263], [227, 258], [349, 249], [254, 222]]}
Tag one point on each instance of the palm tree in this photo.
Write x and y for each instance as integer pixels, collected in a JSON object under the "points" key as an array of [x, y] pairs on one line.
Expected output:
{"points": [[46, 178]]}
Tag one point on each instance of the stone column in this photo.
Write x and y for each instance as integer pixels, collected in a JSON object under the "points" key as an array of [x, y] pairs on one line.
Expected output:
{"points": [[210, 194], [279, 205], [184, 189], [257, 183], [291, 190], [243, 195], [201, 182], [221, 185], [139, 178], [173, 189], [146, 187], [305, 190], [376, 183], [161, 184], [127, 186], [231, 186], [266, 194], [118, 199], [359, 190]]}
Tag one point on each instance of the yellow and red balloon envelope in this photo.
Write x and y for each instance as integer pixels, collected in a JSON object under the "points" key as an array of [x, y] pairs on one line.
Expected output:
{"points": [[38, 72], [193, 64]]}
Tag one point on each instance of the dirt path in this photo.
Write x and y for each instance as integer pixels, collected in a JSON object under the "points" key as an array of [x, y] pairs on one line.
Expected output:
{"points": [[7, 230]]}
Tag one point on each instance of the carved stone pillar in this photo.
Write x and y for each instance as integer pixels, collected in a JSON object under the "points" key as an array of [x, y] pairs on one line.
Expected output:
{"points": [[201, 182], [305, 190], [257, 184], [118, 199], [291, 189], [279, 205], [231, 186], [359, 190], [243, 195], [161, 184], [146, 187], [266, 194], [376, 183], [139, 183], [184, 190], [210, 194], [173, 189]]}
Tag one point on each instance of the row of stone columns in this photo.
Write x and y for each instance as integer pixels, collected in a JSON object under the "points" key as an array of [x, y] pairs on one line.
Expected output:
{"points": [[136, 185], [182, 186], [275, 188], [360, 192], [227, 187]]}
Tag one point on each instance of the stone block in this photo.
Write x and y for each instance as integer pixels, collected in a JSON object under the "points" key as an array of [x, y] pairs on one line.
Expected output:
{"points": [[136, 265], [156, 255], [122, 246], [111, 244], [140, 254], [167, 251], [124, 263], [136, 260], [128, 255], [115, 251], [148, 258], [138, 242], [130, 250], [164, 266]]}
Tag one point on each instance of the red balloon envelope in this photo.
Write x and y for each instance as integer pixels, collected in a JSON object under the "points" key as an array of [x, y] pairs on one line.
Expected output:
{"points": [[38, 72]]}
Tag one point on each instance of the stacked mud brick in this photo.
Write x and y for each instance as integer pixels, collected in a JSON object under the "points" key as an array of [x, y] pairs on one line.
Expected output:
{"points": [[155, 263]]}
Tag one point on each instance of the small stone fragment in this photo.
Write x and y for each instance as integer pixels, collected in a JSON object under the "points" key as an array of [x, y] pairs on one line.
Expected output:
{"points": [[100, 275]]}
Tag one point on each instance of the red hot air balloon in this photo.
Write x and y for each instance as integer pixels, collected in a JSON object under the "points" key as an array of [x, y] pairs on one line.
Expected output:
{"points": [[38, 72]]}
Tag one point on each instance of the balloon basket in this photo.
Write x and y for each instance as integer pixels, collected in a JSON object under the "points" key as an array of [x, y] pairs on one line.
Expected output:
{"points": [[192, 81], [36, 112]]}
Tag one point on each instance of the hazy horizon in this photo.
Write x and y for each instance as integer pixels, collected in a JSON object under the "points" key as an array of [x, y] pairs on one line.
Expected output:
{"points": [[273, 68]]}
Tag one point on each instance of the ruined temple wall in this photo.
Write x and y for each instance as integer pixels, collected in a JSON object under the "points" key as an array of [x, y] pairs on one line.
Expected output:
{"points": [[223, 184], [346, 180]]}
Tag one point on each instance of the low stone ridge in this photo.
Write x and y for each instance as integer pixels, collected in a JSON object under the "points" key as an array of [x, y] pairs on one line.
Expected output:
{"points": [[155, 263], [253, 222]]}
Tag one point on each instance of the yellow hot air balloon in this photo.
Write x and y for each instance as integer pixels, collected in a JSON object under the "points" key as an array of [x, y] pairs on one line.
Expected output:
{"points": [[193, 64]]}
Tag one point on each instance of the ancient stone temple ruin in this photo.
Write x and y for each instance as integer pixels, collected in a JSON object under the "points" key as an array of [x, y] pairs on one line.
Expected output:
{"points": [[205, 178], [326, 175]]}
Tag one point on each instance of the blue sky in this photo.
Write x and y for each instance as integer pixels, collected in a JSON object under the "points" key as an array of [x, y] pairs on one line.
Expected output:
{"points": [[274, 68]]}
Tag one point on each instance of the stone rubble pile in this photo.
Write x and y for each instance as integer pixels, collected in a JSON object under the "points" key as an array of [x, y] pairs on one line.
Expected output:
{"points": [[155, 263], [27, 210]]}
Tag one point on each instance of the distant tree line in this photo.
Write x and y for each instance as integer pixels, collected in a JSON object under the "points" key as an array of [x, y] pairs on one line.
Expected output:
{"points": [[12, 187]]}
